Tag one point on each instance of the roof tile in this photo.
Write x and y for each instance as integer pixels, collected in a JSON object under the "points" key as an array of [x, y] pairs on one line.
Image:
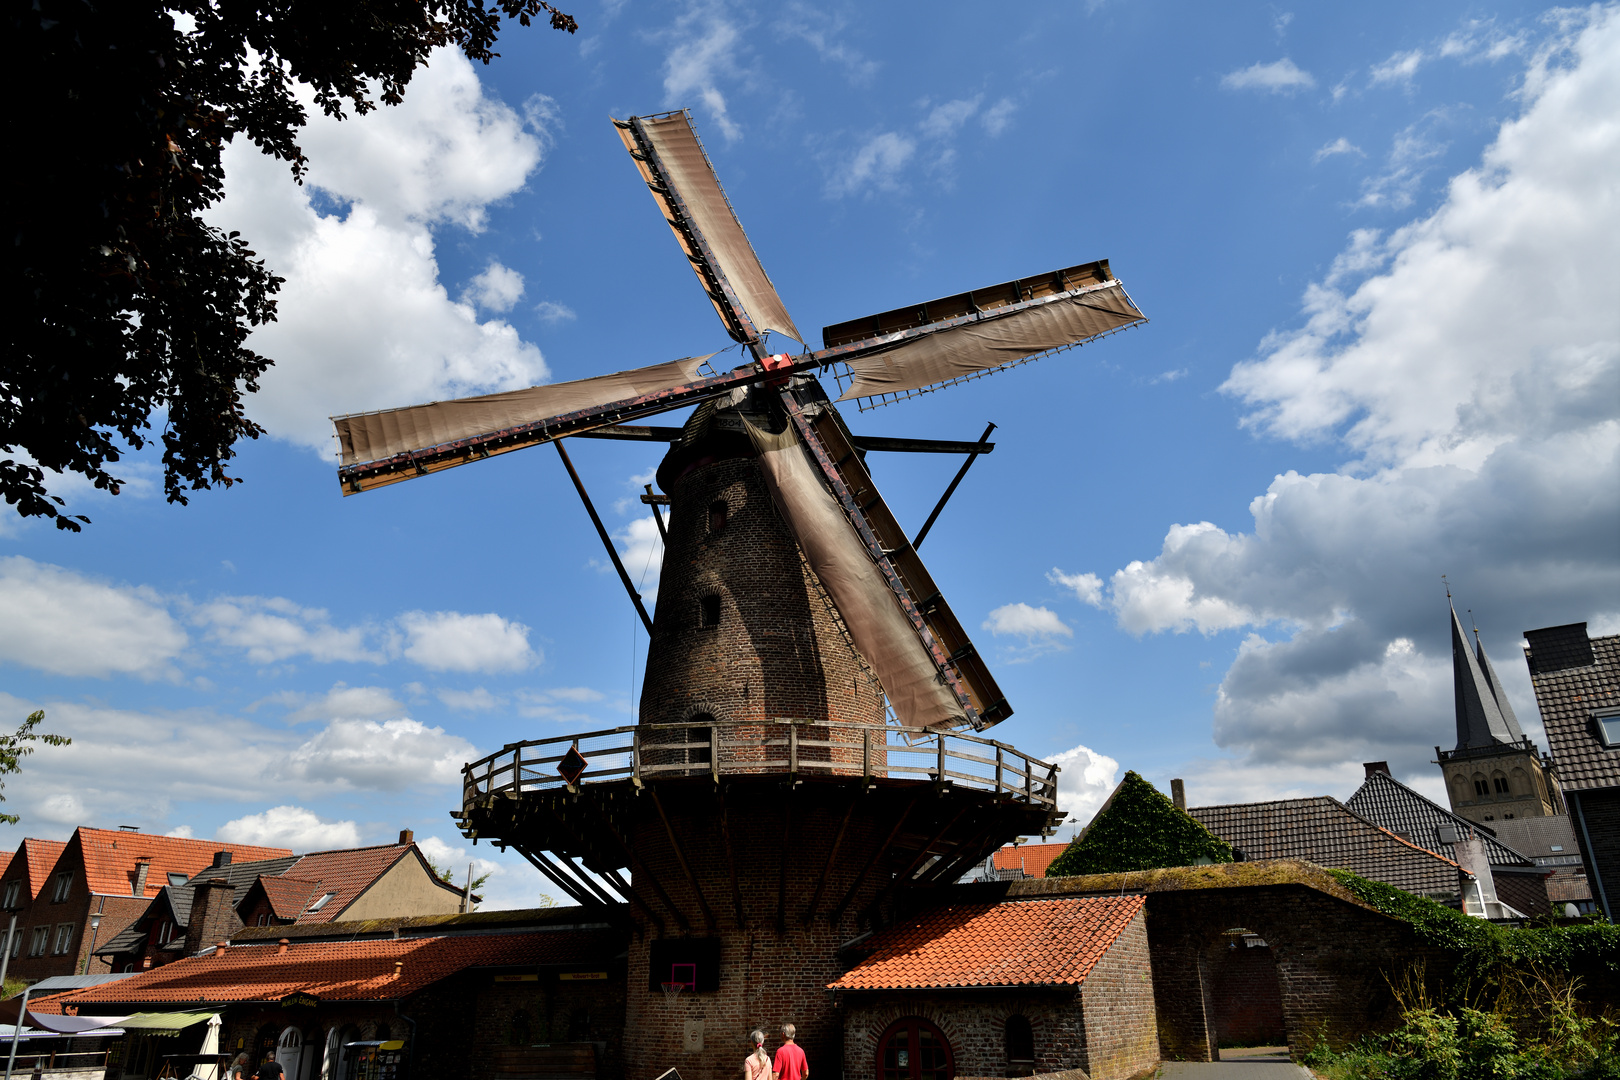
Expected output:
{"points": [[110, 856], [1032, 859], [1567, 691]]}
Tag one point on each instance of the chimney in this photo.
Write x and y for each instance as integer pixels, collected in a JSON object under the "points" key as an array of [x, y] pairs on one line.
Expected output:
{"points": [[143, 866], [281, 947], [399, 968], [220, 947], [1375, 767], [1178, 794], [221, 859], [146, 963], [406, 836], [212, 915]]}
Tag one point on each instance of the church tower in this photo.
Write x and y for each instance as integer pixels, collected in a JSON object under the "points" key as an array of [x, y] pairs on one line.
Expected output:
{"points": [[1496, 773]]}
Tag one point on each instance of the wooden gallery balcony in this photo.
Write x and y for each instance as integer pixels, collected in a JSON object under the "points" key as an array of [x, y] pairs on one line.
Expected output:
{"points": [[941, 800]]}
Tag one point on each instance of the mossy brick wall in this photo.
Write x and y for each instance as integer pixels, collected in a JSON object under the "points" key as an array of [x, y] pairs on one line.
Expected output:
{"points": [[974, 1022], [779, 649], [1332, 957], [1247, 997], [1122, 1036]]}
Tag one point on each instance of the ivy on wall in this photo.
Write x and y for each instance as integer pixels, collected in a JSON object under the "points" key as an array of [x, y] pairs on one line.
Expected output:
{"points": [[1139, 829]]}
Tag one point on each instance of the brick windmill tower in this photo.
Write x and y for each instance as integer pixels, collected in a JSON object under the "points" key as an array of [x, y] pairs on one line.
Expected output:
{"points": [[803, 758]]}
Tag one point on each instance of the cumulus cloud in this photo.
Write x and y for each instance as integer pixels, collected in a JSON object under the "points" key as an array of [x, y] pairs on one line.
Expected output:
{"points": [[641, 549], [65, 623], [1341, 145], [271, 629], [1021, 620], [875, 165], [512, 882], [946, 119], [998, 117], [1087, 588], [705, 41], [364, 321], [1415, 150], [451, 641], [1086, 780], [475, 700], [345, 701], [290, 827], [389, 756], [1278, 77], [1468, 364], [498, 288], [551, 312], [1397, 70]]}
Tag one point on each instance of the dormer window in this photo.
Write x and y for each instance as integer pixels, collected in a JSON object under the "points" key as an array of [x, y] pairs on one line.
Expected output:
{"points": [[322, 902], [177, 880], [1607, 722], [64, 885]]}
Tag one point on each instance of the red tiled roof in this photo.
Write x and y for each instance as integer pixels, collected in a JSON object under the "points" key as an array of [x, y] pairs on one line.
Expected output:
{"points": [[110, 855], [38, 857], [1016, 943], [288, 896], [345, 970], [1032, 859], [347, 873]]}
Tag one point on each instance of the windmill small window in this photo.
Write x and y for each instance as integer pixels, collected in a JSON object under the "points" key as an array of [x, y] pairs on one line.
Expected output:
{"points": [[1020, 1041], [717, 516], [709, 610]]}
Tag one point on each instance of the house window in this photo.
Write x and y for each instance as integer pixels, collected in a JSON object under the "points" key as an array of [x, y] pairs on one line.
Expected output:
{"points": [[1480, 786], [1500, 783], [1608, 727], [1020, 1039], [177, 880], [709, 611], [264, 920], [165, 933], [913, 1049], [64, 938], [64, 885], [16, 944], [717, 516], [13, 893], [41, 938], [322, 902]]}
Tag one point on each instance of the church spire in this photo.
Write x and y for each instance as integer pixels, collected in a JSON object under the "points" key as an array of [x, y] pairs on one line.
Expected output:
{"points": [[1484, 716]]}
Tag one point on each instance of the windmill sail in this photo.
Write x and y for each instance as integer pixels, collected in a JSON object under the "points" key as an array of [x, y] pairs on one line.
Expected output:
{"points": [[907, 351], [864, 601], [683, 183], [492, 423]]}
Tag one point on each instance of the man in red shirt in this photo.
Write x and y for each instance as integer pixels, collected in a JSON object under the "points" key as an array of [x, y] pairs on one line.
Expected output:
{"points": [[790, 1063]]}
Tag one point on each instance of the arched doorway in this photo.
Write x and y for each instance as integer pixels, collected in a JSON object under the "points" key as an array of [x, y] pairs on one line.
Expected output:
{"points": [[1243, 992], [344, 1057], [911, 1048], [290, 1052]]}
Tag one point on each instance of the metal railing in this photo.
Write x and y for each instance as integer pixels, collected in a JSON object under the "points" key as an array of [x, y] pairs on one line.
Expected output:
{"points": [[869, 752]]}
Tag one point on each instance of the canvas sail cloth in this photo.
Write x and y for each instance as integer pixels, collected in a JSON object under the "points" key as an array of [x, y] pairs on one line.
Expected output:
{"points": [[958, 351], [376, 435], [881, 630], [709, 211]]}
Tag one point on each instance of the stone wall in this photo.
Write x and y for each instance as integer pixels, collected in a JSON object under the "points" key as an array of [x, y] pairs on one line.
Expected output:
{"points": [[974, 1024], [1247, 997], [1122, 1036]]}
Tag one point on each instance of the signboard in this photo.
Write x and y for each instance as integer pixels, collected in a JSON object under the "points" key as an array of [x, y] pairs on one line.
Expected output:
{"points": [[300, 999], [572, 765], [582, 976], [517, 978]]}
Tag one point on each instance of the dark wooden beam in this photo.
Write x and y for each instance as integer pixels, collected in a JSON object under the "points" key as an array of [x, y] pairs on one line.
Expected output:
{"points": [[882, 849], [624, 887], [607, 541], [639, 868], [680, 857], [903, 876], [832, 858], [655, 501], [567, 885], [731, 866], [973, 454], [632, 433], [921, 446]]}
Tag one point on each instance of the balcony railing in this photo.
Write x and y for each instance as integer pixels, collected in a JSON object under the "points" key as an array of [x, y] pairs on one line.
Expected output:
{"points": [[644, 752]]}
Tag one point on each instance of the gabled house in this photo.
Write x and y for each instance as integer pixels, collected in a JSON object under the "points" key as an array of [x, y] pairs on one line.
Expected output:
{"points": [[1577, 683], [100, 881], [1386, 802], [1019, 861], [27, 870], [347, 884]]}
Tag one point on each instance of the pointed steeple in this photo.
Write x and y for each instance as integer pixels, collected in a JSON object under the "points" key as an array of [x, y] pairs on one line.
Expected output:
{"points": [[1515, 733], [1480, 719]]}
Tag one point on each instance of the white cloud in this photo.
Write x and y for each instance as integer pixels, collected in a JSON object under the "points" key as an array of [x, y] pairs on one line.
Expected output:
{"points": [[705, 45], [944, 121], [498, 288], [998, 117], [828, 34], [1087, 588], [1169, 376], [1398, 69], [512, 882], [1481, 40], [641, 549], [875, 165], [349, 702], [390, 756], [364, 321], [272, 629], [290, 827], [451, 641], [1278, 77], [65, 623], [1413, 153], [1341, 145], [475, 700], [1087, 778], [551, 312], [1021, 620], [1469, 366]]}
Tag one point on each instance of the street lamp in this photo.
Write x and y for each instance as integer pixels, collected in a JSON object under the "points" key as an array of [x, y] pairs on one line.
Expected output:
{"points": [[95, 926]]}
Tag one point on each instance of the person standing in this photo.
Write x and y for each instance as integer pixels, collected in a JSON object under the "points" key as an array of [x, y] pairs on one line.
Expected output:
{"points": [[271, 1068], [757, 1066], [790, 1060]]}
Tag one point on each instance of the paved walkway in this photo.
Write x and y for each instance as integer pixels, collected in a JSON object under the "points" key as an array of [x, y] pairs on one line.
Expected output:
{"points": [[1249, 1063]]}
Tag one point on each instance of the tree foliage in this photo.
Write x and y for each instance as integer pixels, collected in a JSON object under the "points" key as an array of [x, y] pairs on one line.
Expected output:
{"points": [[1139, 829], [125, 303], [15, 747]]}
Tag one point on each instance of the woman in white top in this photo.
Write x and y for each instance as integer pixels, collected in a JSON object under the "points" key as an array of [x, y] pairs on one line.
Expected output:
{"points": [[757, 1066]]}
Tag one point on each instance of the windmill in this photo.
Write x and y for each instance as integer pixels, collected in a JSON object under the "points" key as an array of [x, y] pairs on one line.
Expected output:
{"points": [[894, 613]]}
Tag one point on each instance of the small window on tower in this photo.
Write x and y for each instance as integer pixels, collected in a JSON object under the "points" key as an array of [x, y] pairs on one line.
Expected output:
{"points": [[1480, 787], [717, 516], [709, 610], [1501, 784]]}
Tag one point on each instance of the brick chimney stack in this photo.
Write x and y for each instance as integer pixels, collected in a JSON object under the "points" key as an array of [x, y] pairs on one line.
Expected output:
{"points": [[406, 836], [212, 916], [1375, 767], [143, 867], [1178, 794], [222, 859]]}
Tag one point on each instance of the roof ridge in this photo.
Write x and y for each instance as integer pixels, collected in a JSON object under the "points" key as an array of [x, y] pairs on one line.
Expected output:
{"points": [[1472, 826], [1267, 802]]}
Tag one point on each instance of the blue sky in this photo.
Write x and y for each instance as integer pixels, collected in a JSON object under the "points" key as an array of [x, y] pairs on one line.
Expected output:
{"points": [[1375, 242]]}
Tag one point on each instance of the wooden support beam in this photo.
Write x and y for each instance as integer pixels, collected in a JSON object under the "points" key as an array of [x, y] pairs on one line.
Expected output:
{"points": [[680, 857], [832, 859], [902, 878], [973, 452], [624, 887], [607, 541], [883, 849], [639, 868], [731, 866], [567, 885]]}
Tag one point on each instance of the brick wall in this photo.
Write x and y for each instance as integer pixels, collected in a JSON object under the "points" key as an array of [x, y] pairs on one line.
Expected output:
{"points": [[1600, 812], [1247, 997], [1122, 1036], [1526, 892], [974, 1023]]}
